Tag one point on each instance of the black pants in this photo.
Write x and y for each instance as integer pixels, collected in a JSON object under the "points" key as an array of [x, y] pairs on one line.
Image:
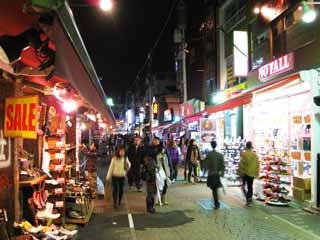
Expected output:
{"points": [[165, 188], [192, 166], [215, 196], [175, 170], [117, 183], [134, 176], [150, 200], [247, 190]]}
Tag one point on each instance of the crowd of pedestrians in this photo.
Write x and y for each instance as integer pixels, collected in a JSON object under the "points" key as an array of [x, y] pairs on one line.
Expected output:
{"points": [[157, 164]]}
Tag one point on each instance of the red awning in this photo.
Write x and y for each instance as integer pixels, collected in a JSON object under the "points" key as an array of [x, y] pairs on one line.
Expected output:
{"points": [[246, 98], [235, 102]]}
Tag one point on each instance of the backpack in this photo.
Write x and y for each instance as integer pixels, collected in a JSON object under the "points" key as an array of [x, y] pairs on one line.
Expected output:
{"points": [[194, 155]]}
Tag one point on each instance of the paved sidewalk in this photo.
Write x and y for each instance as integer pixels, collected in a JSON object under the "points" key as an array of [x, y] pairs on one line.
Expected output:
{"points": [[186, 218]]}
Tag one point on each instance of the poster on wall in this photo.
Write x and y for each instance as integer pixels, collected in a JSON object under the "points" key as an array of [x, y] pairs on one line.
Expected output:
{"points": [[208, 130], [21, 117]]}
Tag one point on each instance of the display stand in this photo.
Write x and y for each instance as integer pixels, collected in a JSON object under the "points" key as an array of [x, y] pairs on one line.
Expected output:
{"points": [[275, 177], [231, 151]]}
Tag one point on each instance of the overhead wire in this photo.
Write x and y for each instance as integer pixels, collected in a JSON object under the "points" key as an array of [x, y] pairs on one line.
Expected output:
{"points": [[151, 51]]}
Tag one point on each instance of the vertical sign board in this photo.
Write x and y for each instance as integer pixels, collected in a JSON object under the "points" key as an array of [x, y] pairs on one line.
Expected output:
{"points": [[208, 130], [21, 117], [240, 53]]}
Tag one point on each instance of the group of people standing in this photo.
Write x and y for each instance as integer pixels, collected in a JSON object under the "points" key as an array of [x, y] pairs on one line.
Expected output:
{"points": [[158, 165]]}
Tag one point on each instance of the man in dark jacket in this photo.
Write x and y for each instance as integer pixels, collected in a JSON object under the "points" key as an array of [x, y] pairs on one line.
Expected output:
{"points": [[214, 164], [135, 155]]}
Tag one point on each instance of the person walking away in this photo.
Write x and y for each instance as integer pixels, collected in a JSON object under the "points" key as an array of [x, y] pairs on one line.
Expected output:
{"points": [[164, 172], [214, 164], [175, 158], [248, 170], [135, 155], [184, 152], [150, 168], [117, 171], [193, 159]]}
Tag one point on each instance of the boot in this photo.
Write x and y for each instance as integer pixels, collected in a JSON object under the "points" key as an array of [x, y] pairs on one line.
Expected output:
{"points": [[195, 179], [164, 199]]}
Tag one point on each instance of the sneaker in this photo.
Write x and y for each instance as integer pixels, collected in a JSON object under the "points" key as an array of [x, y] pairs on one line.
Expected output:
{"points": [[68, 232], [44, 214], [74, 214], [139, 190]]}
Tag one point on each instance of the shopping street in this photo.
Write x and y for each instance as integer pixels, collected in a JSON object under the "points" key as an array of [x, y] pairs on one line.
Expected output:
{"points": [[189, 215]]}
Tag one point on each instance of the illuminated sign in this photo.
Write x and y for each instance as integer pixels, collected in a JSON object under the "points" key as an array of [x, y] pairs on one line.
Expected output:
{"points": [[167, 115], [280, 65], [21, 117], [240, 53], [155, 108]]}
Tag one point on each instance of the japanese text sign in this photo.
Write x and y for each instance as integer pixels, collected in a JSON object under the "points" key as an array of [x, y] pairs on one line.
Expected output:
{"points": [[21, 117]]}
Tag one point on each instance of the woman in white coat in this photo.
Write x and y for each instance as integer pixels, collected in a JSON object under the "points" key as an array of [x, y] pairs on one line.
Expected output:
{"points": [[117, 172]]}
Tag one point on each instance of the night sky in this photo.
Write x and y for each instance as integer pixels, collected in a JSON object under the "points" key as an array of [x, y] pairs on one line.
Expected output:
{"points": [[118, 43]]}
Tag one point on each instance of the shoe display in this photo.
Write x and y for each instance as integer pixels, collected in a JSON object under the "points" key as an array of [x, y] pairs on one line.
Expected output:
{"points": [[74, 214], [68, 232]]}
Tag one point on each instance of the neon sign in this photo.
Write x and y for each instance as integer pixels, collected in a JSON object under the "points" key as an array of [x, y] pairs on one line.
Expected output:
{"points": [[280, 65]]}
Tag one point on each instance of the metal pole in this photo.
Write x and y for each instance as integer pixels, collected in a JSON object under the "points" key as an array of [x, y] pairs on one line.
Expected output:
{"points": [[150, 106], [184, 70]]}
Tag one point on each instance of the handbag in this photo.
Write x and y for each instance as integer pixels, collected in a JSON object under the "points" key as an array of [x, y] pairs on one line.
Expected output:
{"points": [[108, 191]]}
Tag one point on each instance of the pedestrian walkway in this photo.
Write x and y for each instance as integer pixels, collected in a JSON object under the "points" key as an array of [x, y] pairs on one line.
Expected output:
{"points": [[185, 218]]}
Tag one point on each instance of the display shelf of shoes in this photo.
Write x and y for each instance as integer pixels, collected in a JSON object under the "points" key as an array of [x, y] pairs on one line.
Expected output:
{"points": [[57, 150], [78, 203], [275, 177], [231, 152]]}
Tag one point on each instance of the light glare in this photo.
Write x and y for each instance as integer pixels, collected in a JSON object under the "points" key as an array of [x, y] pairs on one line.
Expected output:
{"points": [[106, 5]]}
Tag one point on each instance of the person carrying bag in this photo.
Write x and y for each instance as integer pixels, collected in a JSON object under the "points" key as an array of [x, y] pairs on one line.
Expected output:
{"points": [[118, 169]]}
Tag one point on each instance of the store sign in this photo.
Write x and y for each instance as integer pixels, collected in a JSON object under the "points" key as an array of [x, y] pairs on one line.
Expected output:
{"points": [[167, 115], [186, 109], [5, 151], [240, 53], [208, 130], [21, 117], [280, 65]]}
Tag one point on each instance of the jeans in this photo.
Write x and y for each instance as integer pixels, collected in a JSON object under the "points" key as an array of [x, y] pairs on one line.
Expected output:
{"points": [[248, 192], [194, 168], [215, 196], [150, 200], [134, 176], [175, 171], [117, 183]]}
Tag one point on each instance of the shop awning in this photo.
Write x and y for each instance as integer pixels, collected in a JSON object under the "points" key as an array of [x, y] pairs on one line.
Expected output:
{"points": [[235, 102], [74, 64]]}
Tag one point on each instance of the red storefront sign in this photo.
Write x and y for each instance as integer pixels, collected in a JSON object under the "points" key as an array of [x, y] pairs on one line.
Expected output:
{"points": [[280, 65], [186, 109]]}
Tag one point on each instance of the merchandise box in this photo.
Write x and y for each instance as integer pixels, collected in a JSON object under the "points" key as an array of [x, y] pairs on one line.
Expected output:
{"points": [[301, 194], [302, 182]]}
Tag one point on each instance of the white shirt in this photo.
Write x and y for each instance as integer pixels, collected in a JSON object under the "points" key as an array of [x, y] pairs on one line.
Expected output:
{"points": [[116, 168]]}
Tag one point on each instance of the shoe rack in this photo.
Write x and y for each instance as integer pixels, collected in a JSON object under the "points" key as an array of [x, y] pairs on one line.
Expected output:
{"points": [[275, 176], [55, 145], [231, 152]]}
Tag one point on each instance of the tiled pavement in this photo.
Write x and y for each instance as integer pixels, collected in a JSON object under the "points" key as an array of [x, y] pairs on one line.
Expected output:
{"points": [[187, 218]]}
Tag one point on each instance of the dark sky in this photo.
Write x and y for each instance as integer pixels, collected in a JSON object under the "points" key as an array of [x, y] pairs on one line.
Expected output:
{"points": [[118, 43]]}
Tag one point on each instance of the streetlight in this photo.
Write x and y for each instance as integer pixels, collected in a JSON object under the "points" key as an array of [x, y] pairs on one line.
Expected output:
{"points": [[106, 5], [309, 14]]}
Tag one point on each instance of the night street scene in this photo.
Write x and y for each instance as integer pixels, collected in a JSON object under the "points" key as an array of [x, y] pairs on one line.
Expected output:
{"points": [[159, 120]]}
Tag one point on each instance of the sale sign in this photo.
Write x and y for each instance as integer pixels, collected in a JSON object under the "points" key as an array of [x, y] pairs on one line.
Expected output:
{"points": [[21, 117]]}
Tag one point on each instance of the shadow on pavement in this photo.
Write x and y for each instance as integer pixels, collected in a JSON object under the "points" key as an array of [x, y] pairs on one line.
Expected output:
{"points": [[161, 220]]}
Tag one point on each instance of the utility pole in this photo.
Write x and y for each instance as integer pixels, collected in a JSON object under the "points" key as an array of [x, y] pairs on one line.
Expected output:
{"points": [[184, 67]]}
